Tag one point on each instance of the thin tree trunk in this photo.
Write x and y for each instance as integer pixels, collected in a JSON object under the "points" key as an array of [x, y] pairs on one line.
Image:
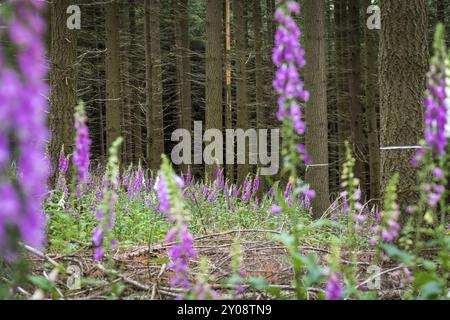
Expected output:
{"points": [[241, 76], [342, 101], [214, 67], [316, 110], [63, 81], [113, 98], [403, 65], [177, 51], [127, 155], [156, 124], [229, 103], [186, 106], [136, 114], [357, 119], [148, 82], [184, 102], [371, 112], [261, 119], [259, 75]]}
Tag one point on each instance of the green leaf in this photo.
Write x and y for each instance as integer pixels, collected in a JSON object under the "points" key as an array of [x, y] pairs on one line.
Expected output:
{"points": [[314, 271], [431, 290], [258, 283], [42, 283]]}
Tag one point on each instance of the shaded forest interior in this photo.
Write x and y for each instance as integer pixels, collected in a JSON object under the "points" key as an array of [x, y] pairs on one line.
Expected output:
{"points": [[146, 68]]}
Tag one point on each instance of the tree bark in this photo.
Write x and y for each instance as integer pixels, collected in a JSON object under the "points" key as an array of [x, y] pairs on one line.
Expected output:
{"points": [[371, 112], [241, 76], [127, 154], [136, 113], [113, 98], [342, 101], [156, 129], [403, 63], [228, 87], [356, 118], [63, 81], [259, 64], [182, 40], [148, 82], [261, 119], [316, 108], [214, 69]]}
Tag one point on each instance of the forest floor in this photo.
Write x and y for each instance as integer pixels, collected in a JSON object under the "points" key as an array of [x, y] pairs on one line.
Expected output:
{"points": [[143, 270], [219, 219]]}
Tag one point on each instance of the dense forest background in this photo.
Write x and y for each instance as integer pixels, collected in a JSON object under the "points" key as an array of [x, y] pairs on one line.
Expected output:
{"points": [[145, 68], [358, 90]]}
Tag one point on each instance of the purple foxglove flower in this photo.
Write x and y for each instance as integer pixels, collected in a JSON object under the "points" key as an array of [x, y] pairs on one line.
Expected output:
{"points": [[276, 210], [247, 192], [255, 186], [63, 164], [23, 131], [82, 145], [163, 194], [288, 190], [288, 57], [180, 254], [438, 173], [334, 288]]}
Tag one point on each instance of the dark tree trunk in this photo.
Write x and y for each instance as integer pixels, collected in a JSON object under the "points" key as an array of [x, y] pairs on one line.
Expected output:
{"points": [[356, 112], [214, 69], [402, 68], [113, 94], [316, 109], [63, 81]]}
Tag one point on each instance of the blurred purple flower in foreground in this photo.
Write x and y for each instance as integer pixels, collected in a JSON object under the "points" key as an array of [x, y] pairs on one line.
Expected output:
{"points": [[335, 288], [23, 131]]}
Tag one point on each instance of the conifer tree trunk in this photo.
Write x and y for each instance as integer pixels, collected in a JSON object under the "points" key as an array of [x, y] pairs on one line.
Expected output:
{"points": [[156, 123], [316, 109], [259, 71], [241, 76], [186, 99], [127, 155], [113, 97], [403, 63], [341, 58], [356, 112], [371, 111], [63, 81], [184, 102], [261, 119], [228, 88], [148, 82], [136, 114], [214, 69]]}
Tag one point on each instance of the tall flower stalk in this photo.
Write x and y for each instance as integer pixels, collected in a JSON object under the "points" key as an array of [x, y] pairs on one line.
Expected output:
{"points": [[23, 131], [169, 190], [433, 159], [82, 145], [288, 57], [102, 238]]}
